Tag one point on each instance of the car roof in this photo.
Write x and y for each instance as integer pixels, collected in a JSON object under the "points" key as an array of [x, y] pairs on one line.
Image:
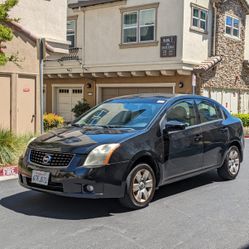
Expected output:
{"points": [[157, 96]]}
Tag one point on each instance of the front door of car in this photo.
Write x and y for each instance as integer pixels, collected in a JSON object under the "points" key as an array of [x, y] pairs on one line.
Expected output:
{"points": [[183, 149], [214, 131]]}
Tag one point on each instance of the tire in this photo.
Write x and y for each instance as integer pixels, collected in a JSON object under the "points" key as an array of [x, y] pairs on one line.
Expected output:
{"points": [[231, 166], [140, 187]]}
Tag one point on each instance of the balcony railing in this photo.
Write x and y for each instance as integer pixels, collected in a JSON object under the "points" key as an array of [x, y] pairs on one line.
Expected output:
{"points": [[74, 54]]}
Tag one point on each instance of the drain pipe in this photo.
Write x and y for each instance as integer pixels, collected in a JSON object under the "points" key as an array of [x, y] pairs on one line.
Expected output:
{"points": [[214, 28]]}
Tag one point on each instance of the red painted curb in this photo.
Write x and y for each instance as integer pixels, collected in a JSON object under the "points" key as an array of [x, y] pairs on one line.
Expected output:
{"points": [[8, 171]]}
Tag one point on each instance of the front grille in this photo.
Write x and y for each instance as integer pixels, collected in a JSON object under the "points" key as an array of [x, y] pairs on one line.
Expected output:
{"points": [[50, 159]]}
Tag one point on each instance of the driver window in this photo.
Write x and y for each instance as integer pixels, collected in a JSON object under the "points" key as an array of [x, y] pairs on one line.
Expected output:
{"points": [[182, 112]]}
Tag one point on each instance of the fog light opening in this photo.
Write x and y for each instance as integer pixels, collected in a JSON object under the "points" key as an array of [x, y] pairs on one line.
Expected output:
{"points": [[89, 188]]}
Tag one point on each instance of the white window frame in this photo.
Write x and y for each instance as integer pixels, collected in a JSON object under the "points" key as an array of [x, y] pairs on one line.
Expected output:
{"points": [[138, 26], [74, 32], [130, 27], [199, 19], [232, 27]]}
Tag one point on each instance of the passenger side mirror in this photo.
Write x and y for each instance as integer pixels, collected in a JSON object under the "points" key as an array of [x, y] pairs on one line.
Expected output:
{"points": [[174, 126]]}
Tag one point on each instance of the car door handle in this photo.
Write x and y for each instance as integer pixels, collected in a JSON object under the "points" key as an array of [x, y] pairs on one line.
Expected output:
{"points": [[224, 129], [198, 138]]}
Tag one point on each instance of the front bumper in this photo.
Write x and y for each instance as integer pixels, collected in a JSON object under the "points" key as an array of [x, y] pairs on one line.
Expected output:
{"points": [[107, 182]]}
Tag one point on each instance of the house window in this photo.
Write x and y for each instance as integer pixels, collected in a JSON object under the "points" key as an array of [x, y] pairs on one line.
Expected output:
{"points": [[71, 33], [232, 26], [139, 26], [199, 19]]}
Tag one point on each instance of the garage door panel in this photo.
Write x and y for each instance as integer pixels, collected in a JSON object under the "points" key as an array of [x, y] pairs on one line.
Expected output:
{"points": [[127, 91], [67, 98], [145, 90], [168, 90], [5, 90], [108, 93], [111, 92]]}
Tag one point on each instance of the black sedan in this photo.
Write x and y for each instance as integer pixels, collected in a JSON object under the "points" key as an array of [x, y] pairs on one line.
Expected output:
{"points": [[128, 147]]}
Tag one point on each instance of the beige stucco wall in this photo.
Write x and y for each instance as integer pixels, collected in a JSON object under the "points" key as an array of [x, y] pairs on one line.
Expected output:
{"points": [[27, 55], [103, 36], [195, 44], [42, 17]]}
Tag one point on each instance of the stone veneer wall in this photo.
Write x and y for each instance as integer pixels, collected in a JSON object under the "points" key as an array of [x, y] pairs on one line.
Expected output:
{"points": [[230, 73]]}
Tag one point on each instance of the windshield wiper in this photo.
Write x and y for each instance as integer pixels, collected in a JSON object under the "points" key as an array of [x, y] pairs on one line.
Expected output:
{"points": [[76, 125]]}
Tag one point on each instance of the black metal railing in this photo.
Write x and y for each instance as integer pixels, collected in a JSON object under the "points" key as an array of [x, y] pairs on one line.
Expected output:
{"points": [[74, 54]]}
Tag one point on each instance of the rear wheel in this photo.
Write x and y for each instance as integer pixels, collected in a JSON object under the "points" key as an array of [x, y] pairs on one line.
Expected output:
{"points": [[231, 166], [141, 183]]}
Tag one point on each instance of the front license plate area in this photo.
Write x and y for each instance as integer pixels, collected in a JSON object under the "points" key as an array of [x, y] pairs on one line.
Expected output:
{"points": [[40, 177]]}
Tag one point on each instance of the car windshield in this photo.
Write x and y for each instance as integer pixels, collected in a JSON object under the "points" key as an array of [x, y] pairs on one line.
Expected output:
{"points": [[122, 114]]}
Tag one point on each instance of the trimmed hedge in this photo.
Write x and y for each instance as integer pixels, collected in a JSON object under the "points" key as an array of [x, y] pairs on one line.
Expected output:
{"points": [[51, 121], [244, 118]]}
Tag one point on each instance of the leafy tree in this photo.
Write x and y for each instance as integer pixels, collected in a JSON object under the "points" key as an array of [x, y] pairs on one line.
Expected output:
{"points": [[6, 33]]}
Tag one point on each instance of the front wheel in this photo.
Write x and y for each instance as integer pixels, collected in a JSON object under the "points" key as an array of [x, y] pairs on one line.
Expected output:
{"points": [[231, 166], [141, 184]]}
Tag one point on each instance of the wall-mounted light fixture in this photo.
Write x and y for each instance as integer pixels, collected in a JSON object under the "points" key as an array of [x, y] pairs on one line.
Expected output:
{"points": [[88, 85], [181, 84]]}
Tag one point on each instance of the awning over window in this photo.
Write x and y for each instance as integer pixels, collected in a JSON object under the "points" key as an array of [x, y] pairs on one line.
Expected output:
{"points": [[208, 64]]}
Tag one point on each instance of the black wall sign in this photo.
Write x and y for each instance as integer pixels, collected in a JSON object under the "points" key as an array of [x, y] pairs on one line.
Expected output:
{"points": [[168, 46]]}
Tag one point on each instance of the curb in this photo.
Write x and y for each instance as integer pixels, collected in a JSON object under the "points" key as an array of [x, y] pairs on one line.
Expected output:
{"points": [[9, 172]]}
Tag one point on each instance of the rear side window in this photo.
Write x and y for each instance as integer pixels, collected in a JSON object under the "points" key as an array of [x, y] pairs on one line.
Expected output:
{"points": [[209, 112], [182, 112]]}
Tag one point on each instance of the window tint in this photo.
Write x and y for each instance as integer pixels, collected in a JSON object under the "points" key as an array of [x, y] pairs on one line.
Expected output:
{"points": [[182, 112], [208, 112]]}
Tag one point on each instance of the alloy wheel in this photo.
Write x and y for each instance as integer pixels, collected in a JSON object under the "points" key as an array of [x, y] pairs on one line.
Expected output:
{"points": [[142, 185], [233, 162]]}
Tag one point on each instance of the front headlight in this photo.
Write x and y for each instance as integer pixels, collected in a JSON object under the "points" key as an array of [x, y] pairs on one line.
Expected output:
{"points": [[100, 156], [26, 149]]}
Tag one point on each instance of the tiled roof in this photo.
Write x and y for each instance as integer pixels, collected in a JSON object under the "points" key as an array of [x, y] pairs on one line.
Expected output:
{"points": [[86, 3], [208, 64]]}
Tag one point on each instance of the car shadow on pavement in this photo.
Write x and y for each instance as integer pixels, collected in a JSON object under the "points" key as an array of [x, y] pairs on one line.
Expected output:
{"points": [[44, 205]]}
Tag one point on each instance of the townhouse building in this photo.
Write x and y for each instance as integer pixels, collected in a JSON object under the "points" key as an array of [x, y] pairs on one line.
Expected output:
{"points": [[19, 83], [120, 47]]}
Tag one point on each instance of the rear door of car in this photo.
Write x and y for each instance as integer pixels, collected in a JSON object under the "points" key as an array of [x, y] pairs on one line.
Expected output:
{"points": [[214, 132]]}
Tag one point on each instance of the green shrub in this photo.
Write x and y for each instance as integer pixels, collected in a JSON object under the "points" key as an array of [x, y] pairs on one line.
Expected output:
{"points": [[80, 108], [244, 118], [11, 147], [51, 121]]}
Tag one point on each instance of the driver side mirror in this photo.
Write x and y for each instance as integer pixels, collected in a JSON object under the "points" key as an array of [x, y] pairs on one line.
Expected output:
{"points": [[174, 126]]}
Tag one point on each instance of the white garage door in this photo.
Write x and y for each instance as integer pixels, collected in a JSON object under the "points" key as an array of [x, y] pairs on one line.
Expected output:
{"points": [[112, 92], [67, 98]]}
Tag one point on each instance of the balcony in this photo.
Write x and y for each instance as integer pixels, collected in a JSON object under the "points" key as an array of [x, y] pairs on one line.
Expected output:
{"points": [[74, 54]]}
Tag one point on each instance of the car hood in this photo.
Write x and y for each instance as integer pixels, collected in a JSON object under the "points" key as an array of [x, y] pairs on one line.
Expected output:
{"points": [[80, 140]]}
